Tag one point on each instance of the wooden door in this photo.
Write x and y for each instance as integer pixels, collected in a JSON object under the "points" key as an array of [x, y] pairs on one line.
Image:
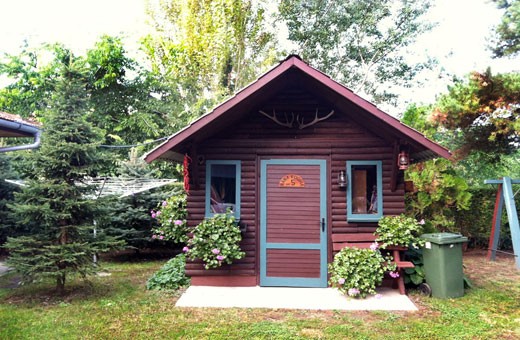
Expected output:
{"points": [[293, 223]]}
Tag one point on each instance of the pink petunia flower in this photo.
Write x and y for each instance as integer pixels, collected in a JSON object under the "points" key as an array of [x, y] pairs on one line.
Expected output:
{"points": [[341, 280], [394, 274], [374, 246], [177, 222], [185, 249], [353, 292], [220, 257], [153, 215], [161, 237], [421, 222], [154, 236], [164, 203], [215, 251]]}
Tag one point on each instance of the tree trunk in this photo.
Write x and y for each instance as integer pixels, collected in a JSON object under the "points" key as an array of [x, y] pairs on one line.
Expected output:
{"points": [[60, 284]]}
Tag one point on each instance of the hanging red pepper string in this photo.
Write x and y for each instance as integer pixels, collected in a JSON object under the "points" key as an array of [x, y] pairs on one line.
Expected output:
{"points": [[186, 173]]}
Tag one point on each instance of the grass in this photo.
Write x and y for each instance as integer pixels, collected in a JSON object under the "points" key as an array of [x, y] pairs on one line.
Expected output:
{"points": [[119, 307]]}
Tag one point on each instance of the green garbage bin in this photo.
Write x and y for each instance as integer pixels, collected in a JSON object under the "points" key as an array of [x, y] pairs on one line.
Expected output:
{"points": [[442, 256]]}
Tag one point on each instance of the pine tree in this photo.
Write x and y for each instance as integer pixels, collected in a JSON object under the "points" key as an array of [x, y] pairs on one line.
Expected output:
{"points": [[54, 205], [129, 217], [6, 196]]}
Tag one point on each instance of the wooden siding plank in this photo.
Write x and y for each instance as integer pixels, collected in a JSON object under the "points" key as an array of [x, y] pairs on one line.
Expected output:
{"points": [[337, 138]]}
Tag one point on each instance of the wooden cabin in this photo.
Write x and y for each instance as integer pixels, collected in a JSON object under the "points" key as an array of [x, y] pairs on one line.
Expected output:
{"points": [[298, 157]]}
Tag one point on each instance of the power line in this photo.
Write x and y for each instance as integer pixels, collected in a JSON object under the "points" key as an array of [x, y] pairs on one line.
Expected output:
{"points": [[132, 145]]}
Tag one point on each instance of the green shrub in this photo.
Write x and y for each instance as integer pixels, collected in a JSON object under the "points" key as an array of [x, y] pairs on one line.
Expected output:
{"points": [[439, 192], [416, 274], [171, 276], [215, 241], [476, 222], [171, 215], [399, 231], [357, 272]]}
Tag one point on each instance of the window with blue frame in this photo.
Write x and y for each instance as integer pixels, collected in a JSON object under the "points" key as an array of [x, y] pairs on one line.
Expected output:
{"points": [[222, 187], [364, 191]]}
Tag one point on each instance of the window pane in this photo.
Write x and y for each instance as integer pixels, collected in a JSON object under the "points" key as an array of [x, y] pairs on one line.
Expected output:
{"points": [[364, 189], [223, 187]]}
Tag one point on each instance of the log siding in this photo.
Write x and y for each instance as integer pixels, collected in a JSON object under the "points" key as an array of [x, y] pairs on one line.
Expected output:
{"points": [[337, 140]]}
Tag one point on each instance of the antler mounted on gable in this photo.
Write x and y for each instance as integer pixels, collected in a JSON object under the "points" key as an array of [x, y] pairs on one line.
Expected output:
{"points": [[288, 122], [301, 125]]}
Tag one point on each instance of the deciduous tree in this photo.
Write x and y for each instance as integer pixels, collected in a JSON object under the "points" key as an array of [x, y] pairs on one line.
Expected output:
{"points": [[484, 110], [507, 33], [360, 43], [207, 50]]}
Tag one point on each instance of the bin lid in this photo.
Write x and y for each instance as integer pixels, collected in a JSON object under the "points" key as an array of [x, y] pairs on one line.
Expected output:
{"points": [[444, 238]]}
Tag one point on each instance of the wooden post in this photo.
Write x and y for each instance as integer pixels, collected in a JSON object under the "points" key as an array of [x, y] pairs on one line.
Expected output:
{"points": [[505, 197], [494, 236]]}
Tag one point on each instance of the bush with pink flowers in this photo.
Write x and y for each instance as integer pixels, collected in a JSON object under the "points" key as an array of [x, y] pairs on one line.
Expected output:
{"points": [[171, 215], [357, 272], [215, 241]]}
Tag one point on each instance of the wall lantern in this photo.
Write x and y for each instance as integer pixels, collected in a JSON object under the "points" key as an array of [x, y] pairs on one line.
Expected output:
{"points": [[403, 161], [342, 179]]}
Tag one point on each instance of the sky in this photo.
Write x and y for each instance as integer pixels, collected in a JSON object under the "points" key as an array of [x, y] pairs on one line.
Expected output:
{"points": [[458, 41]]}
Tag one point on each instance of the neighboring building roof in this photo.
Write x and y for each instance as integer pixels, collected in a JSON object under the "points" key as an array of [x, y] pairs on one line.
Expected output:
{"points": [[236, 107], [15, 126]]}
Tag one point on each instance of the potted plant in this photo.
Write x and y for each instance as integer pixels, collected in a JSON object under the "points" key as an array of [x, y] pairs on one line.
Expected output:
{"points": [[215, 241], [357, 272], [399, 232]]}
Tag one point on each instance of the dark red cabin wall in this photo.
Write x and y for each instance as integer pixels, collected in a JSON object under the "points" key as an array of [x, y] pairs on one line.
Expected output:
{"points": [[336, 139]]}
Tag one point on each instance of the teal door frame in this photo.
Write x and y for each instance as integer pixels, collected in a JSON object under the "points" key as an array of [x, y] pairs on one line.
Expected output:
{"points": [[264, 245]]}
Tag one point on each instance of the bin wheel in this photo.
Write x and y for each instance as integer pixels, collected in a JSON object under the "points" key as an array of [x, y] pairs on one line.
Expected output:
{"points": [[425, 289]]}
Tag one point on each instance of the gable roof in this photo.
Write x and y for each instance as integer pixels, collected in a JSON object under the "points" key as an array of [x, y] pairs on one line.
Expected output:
{"points": [[367, 114]]}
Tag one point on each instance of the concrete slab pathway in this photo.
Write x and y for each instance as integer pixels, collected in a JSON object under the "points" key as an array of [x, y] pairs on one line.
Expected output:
{"points": [[291, 298]]}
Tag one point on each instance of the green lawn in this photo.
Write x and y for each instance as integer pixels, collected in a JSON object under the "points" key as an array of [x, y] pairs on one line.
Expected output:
{"points": [[119, 307]]}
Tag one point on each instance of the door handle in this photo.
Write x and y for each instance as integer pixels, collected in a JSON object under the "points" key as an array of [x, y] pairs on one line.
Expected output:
{"points": [[323, 224]]}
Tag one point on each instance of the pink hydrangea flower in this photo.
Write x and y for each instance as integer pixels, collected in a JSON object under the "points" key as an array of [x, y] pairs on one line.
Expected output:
{"points": [[394, 274], [341, 280], [215, 251], [374, 246], [220, 257], [353, 292], [177, 222]]}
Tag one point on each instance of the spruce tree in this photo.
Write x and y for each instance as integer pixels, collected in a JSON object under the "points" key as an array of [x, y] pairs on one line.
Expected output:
{"points": [[55, 205]]}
